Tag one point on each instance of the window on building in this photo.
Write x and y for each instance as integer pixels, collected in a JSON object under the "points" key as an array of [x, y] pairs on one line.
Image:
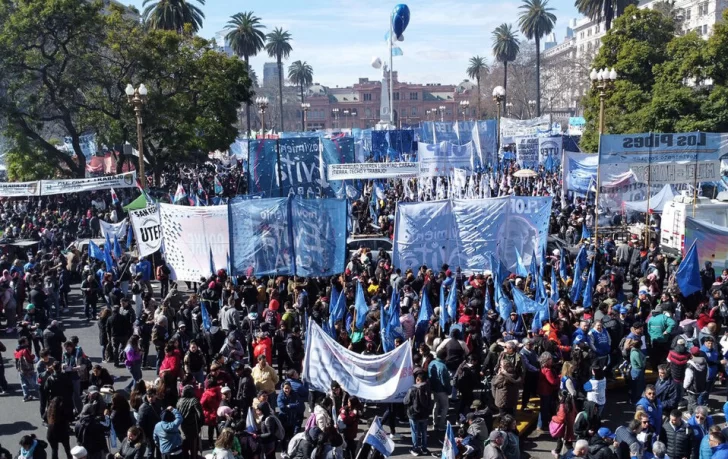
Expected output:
{"points": [[596, 29], [690, 10], [705, 29], [588, 32], [395, 96], [414, 111], [413, 96], [589, 46], [705, 8], [581, 35], [367, 97], [581, 48], [368, 112]]}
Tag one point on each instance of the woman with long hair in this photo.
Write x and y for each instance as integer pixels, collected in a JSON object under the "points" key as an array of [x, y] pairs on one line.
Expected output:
{"points": [[58, 427], [566, 384], [167, 389], [104, 334], [133, 446], [121, 416], [224, 445], [133, 361], [136, 398]]}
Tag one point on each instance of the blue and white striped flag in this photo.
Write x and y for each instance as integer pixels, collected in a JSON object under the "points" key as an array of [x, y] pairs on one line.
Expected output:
{"points": [[378, 438]]}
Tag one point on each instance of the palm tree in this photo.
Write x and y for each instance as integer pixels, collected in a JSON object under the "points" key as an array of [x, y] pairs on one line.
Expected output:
{"points": [[279, 46], [606, 10], [535, 21], [505, 48], [173, 14], [475, 70], [301, 73], [246, 39]]}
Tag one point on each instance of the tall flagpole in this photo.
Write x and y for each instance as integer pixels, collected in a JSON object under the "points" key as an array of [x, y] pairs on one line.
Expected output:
{"points": [[391, 72]]}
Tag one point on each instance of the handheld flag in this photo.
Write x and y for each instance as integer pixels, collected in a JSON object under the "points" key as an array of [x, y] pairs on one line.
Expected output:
{"points": [[337, 310], [107, 258], [452, 304], [449, 447], [114, 198], [94, 251], [230, 270], [554, 286], [218, 186], [578, 268], [250, 424], [589, 288], [361, 307], [443, 308], [206, 321], [688, 273], [378, 438], [542, 315], [423, 319], [563, 272], [117, 248], [180, 194], [392, 328], [212, 263], [200, 189], [520, 268], [585, 233], [129, 236]]}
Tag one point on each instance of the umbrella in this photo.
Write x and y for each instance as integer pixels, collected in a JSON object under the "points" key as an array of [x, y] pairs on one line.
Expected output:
{"points": [[525, 173]]}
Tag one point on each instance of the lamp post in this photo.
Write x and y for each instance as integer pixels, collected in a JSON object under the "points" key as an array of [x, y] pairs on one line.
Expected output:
{"points": [[336, 117], [464, 104], [531, 105], [262, 104], [137, 98], [354, 113], [427, 112], [305, 106], [346, 118], [499, 95], [509, 107], [602, 80], [442, 113]]}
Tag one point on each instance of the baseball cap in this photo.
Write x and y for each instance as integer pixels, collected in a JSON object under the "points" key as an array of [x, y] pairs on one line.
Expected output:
{"points": [[695, 350], [78, 452], [604, 432], [225, 390], [93, 390]]}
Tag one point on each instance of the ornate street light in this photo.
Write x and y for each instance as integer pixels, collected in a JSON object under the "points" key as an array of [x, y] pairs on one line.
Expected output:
{"points": [[137, 98]]}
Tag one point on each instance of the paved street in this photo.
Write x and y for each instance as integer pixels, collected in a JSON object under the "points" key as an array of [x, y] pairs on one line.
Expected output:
{"points": [[18, 418]]}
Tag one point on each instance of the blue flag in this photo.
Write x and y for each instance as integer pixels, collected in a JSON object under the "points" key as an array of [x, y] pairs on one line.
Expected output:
{"points": [[206, 322], [129, 236], [212, 263], [585, 233], [107, 258], [542, 315], [392, 328], [505, 306], [449, 446], [590, 285], [688, 273], [361, 307], [423, 319], [524, 304], [578, 270], [452, 304], [378, 439], [107, 244], [117, 248], [94, 251], [563, 270], [443, 309], [554, 286], [337, 310], [520, 268]]}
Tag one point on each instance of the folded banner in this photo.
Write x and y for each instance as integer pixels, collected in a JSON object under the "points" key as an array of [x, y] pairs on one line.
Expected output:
{"points": [[147, 226], [372, 171], [19, 189], [114, 229], [50, 187], [190, 235], [712, 242], [377, 378]]}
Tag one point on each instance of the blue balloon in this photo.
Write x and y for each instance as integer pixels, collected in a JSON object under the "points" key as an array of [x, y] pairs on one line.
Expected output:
{"points": [[400, 19]]}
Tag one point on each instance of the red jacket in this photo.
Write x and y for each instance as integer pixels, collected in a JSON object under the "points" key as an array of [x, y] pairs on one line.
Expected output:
{"points": [[264, 346], [548, 382], [351, 421], [210, 403], [173, 363]]}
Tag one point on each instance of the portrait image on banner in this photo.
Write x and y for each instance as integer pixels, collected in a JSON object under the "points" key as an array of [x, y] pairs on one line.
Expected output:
{"points": [[579, 172], [712, 243], [190, 235], [147, 226], [260, 237], [319, 236]]}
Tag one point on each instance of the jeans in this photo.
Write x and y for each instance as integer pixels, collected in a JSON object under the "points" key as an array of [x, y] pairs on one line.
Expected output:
{"points": [[77, 394], [28, 382], [636, 385], [439, 411], [703, 397], [136, 375], [419, 433], [90, 309], [199, 376], [545, 411]]}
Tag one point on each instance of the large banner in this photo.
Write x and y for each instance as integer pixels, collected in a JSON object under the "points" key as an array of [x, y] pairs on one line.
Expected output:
{"points": [[510, 128], [712, 242], [340, 150], [580, 171], [653, 160], [319, 236], [441, 159], [370, 171], [87, 143], [464, 232], [114, 229], [262, 172], [147, 226], [192, 236], [19, 189], [50, 187], [300, 167], [527, 152], [549, 152], [260, 237], [482, 133], [384, 378]]}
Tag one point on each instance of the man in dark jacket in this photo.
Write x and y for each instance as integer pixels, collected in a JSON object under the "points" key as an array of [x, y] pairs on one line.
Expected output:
{"points": [[677, 436], [295, 349], [119, 329], [666, 389], [193, 419], [625, 437], [53, 339], [419, 406], [600, 446], [91, 434], [149, 415]]}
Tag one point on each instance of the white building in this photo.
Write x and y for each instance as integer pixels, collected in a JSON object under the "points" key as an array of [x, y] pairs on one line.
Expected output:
{"points": [[695, 15]]}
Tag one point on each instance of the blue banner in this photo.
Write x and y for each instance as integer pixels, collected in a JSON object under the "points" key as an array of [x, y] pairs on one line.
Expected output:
{"points": [[262, 172], [319, 236], [580, 172], [391, 144], [260, 237], [300, 167], [464, 232], [336, 151], [482, 133]]}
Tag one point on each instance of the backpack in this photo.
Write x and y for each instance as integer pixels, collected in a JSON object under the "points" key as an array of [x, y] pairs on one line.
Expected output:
{"points": [[294, 442], [280, 431], [622, 350], [270, 317], [23, 365]]}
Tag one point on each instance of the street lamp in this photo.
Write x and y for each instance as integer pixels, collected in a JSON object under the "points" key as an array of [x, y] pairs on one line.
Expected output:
{"points": [[305, 106], [602, 80], [428, 112], [531, 104], [137, 98], [262, 104], [346, 118], [336, 117], [499, 95], [354, 113], [464, 104], [509, 107], [442, 113]]}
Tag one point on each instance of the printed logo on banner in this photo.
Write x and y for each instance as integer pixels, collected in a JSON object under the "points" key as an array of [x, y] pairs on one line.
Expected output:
{"points": [[147, 229], [527, 152], [50, 187], [300, 161]]}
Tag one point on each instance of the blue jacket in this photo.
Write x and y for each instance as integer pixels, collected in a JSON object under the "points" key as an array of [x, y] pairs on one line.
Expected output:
{"points": [[654, 412], [666, 390], [299, 387], [720, 451], [439, 377], [698, 431], [706, 452], [600, 342], [712, 357], [514, 329], [291, 408], [578, 337], [167, 434]]}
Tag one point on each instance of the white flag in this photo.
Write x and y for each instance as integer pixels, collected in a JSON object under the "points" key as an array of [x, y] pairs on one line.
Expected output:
{"points": [[378, 438]]}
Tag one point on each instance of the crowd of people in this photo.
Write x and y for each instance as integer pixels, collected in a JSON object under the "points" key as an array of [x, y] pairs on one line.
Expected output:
{"points": [[217, 365]]}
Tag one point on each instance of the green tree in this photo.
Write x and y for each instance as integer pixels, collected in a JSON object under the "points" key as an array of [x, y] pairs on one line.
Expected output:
{"points": [[27, 163], [173, 15], [279, 46], [246, 38], [603, 10], [536, 20], [301, 74], [476, 69], [505, 49]]}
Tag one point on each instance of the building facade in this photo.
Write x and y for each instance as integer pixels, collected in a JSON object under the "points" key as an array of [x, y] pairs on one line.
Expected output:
{"points": [[270, 74]]}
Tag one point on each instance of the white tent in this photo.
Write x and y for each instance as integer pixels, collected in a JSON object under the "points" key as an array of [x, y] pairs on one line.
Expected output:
{"points": [[657, 202]]}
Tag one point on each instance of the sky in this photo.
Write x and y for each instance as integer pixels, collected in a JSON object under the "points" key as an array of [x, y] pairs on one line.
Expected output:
{"points": [[339, 38]]}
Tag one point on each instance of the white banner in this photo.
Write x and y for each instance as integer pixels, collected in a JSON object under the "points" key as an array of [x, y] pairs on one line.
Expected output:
{"points": [[511, 128], [371, 171], [19, 189], [147, 227], [126, 180], [441, 159], [549, 148], [190, 235], [378, 378], [114, 229]]}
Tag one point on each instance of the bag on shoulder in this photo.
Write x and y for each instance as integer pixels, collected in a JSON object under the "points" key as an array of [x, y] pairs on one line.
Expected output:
{"points": [[280, 431], [295, 441]]}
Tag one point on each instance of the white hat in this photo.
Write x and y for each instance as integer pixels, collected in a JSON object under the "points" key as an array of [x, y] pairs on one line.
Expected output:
{"points": [[78, 452], [225, 390]]}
